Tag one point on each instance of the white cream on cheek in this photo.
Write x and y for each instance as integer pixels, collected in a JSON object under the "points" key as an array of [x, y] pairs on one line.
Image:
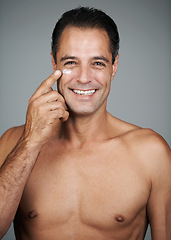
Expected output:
{"points": [[67, 71]]}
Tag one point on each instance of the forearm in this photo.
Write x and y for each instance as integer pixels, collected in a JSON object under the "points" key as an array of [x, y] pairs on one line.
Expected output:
{"points": [[13, 176], [44, 108]]}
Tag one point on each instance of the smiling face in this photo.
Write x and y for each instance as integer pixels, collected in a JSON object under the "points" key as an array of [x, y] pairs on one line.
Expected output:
{"points": [[86, 62]]}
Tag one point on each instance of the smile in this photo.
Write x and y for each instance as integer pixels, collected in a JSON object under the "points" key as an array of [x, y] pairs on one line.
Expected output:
{"points": [[84, 92]]}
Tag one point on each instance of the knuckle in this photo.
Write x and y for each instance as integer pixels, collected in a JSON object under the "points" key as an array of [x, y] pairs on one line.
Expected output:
{"points": [[55, 94], [35, 106], [61, 98], [31, 100], [66, 114], [33, 103], [60, 104], [61, 112]]}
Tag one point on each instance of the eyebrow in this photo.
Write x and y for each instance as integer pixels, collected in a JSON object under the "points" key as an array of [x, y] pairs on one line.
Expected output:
{"points": [[94, 58], [101, 58], [66, 58]]}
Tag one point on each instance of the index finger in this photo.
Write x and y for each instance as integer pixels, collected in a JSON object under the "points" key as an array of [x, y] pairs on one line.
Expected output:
{"points": [[46, 84]]}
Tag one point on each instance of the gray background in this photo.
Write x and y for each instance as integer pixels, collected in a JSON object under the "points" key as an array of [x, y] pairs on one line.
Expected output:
{"points": [[140, 92]]}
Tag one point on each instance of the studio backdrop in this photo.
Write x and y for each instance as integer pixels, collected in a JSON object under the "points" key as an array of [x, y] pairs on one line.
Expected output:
{"points": [[141, 89]]}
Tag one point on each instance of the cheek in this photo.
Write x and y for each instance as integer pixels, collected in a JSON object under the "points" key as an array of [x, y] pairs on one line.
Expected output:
{"points": [[103, 77], [63, 81]]}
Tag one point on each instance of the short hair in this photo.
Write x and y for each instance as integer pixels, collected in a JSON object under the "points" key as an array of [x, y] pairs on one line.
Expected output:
{"points": [[85, 17]]}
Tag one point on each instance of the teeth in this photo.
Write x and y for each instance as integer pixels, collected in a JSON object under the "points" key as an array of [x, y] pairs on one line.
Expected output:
{"points": [[81, 92]]}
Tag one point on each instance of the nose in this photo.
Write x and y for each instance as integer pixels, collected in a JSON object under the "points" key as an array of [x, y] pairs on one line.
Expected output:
{"points": [[83, 75]]}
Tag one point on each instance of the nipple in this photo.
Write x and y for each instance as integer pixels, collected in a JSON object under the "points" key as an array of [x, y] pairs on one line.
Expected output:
{"points": [[32, 214], [120, 218]]}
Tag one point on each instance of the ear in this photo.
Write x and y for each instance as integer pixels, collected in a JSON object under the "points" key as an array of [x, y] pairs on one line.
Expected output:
{"points": [[53, 62], [115, 66]]}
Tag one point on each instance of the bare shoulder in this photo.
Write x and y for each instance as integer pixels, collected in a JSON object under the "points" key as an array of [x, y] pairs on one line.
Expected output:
{"points": [[8, 141], [143, 144], [151, 149], [143, 141], [148, 140]]}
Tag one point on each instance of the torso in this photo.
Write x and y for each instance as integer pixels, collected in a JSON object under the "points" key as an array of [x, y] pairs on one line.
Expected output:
{"points": [[97, 192]]}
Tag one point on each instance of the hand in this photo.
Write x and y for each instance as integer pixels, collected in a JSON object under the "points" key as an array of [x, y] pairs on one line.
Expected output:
{"points": [[45, 106]]}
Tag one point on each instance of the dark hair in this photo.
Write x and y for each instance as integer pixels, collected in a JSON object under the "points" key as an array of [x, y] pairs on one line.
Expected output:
{"points": [[85, 17]]}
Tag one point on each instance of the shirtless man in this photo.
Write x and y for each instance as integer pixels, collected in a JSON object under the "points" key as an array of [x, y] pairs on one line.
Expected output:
{"points": [[73, 171]]}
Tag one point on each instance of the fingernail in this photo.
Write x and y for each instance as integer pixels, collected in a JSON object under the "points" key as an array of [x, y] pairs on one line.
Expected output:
{"points": [[56, 72]]}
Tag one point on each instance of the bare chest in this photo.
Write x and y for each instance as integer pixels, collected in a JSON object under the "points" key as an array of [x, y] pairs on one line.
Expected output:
{"points": [[101, 188]]}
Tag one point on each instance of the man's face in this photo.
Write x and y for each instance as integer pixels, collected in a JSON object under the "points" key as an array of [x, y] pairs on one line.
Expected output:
{"points": [[85, 56]]}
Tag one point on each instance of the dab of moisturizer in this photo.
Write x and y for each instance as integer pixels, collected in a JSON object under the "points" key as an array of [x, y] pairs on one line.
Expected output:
{"points": [[67, 71]]}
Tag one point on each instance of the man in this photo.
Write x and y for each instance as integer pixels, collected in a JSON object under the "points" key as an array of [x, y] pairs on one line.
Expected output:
{"points": [[73, 171]]}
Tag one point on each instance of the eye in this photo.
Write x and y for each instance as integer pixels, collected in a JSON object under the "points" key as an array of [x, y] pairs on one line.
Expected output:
{"points": [[70, 63], [99, 64]]}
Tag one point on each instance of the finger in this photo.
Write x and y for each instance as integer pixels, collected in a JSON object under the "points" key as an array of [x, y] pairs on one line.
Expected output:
{"points": [[53, 106], [50, 97], [47, 84], [49, 90], [60, 113], [65, 116], [59, 99]]}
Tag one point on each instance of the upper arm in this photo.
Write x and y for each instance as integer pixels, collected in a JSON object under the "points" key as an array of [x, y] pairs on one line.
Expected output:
{"points": [[159, 204], [8, 141]]}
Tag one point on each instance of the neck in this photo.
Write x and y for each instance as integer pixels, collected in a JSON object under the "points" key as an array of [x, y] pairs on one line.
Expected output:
{"points": [[81, 130]]}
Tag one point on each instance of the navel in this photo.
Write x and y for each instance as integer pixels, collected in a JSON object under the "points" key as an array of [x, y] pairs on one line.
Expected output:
{"points": [[120, 218]]}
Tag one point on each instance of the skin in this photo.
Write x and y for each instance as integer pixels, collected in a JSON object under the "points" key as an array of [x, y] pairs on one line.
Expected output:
{"points": [[77, 172]]}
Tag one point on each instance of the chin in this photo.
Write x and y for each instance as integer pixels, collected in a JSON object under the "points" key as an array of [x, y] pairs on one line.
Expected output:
{"points": [[85, 107], [82, 110]]}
